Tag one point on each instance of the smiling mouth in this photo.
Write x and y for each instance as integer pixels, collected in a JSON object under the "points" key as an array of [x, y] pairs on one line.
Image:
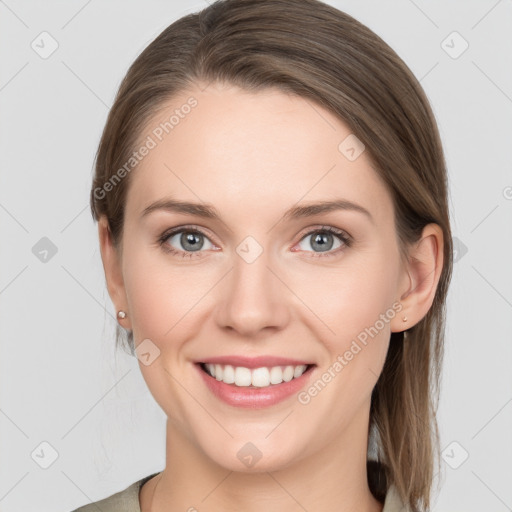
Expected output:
{"points": [[263, 377]]}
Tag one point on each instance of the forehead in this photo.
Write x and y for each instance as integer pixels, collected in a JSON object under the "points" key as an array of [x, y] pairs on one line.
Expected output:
{"points": [[262, 151]]}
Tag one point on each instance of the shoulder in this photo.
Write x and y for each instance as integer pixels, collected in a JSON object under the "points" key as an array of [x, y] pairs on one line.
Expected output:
{"points": [[393, 503], [126, 500]]}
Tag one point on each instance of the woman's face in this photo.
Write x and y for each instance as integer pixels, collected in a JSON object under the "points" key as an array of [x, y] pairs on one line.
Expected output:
{"points": [[256, 282]]}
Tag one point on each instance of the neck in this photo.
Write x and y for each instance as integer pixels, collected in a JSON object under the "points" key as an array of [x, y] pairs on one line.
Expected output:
{"points": [[334, 478]]}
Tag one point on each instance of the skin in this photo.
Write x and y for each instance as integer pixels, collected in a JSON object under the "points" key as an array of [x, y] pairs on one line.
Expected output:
{"points": [[253, 155]]}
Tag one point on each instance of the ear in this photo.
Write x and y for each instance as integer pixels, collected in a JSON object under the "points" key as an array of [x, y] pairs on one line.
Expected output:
{"points": [[421, 276], [111, 259]]}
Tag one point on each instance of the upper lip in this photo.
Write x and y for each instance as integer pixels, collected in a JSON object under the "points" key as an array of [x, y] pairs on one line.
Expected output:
{"points": [[254, 362]]}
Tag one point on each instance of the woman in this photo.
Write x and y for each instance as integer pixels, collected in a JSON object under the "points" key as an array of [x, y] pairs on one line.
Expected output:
{"points": [[271, 198]]}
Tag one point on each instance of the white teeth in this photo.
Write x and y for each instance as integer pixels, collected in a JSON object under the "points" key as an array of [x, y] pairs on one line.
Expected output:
{"points": [[242, 376], [298, 371], [276, 375], [229, 374], [258, 377], [288, 374]]}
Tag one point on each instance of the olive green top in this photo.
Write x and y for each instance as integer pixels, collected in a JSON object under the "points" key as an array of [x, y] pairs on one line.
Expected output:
{"points": [[128, 500]]}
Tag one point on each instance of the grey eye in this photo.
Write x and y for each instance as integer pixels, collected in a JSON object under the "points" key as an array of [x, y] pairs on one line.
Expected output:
{"points": [[321, 241], [191, 241]]}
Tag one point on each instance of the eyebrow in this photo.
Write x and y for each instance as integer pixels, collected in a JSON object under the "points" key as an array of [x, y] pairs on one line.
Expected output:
{"points": [[208, 211]]}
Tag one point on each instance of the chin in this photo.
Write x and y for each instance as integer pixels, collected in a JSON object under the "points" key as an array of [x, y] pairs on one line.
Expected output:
{"points": [[260, 456]]}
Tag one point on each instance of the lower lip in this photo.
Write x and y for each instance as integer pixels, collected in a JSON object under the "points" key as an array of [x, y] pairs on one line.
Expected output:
{"points": [[254, 398]]}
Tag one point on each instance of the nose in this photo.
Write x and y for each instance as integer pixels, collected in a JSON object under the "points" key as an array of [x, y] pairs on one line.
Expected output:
{"points": [[253, 298]]}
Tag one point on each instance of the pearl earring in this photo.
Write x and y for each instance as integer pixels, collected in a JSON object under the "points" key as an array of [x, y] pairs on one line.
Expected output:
{"points": [[404, 319], [121, 314]]}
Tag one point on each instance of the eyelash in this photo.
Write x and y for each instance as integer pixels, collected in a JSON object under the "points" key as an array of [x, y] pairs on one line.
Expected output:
{"points": [[342, 235]]}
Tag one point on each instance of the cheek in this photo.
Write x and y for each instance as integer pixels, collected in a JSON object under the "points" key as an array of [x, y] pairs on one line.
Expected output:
{"points": [[167, 301], [352, 297], [150, 303], [356, 305], [158, 295], [161, 301]]}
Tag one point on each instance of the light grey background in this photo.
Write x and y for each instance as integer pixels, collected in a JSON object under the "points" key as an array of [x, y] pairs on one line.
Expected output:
{"points": [[61, 381]]}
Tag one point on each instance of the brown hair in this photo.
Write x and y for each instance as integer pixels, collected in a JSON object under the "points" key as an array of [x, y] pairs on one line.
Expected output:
{"points": [[307, 48]]}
